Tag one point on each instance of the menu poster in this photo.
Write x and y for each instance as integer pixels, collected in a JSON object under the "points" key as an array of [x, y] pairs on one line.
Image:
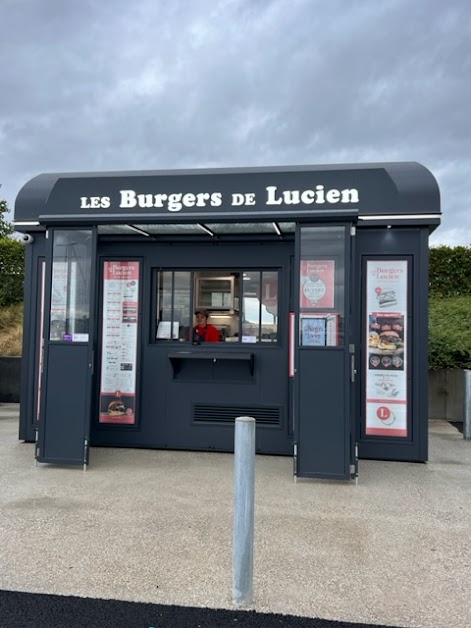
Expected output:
{"points": [[313, 332], [317, 283], [386, 337], [119, 342], [319, 329]]}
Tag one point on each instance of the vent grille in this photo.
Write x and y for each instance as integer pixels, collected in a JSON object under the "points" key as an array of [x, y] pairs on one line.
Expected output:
{"points": [[224, 415]]}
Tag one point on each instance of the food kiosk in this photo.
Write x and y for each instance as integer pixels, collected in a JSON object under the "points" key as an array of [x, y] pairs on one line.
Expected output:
{"points": [[316, 278]]}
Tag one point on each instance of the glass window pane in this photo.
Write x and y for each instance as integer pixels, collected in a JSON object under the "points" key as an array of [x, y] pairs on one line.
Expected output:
{"points": [[322, 286], [269, 332], [173, 305], [251, 310], [165, 329], [218, 292], [71, 275], [215, 292], [182, 313], [166, 295]]}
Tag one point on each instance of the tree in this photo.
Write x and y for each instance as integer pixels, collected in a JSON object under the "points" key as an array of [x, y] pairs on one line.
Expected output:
{"points": [[12, 262], [6, 228]]}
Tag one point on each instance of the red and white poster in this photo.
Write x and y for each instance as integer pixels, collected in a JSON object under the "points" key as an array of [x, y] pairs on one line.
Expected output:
{"points": [[386, 337], [317, 283], [119, 342]]}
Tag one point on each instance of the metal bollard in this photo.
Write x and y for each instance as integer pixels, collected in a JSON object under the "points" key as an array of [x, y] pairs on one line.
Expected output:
{"points": [[244, 491], [467, 406]]}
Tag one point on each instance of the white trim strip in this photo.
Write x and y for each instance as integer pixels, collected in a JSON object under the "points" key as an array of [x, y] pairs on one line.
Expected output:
{"points": [[399, 217]]}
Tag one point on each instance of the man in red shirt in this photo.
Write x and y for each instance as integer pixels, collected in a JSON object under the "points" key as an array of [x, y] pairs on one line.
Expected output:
{"points": [[203, 331]]}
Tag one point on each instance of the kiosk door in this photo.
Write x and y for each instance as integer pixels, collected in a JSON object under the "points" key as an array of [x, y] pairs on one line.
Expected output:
{"points": [[323, 361], [63, 433]]}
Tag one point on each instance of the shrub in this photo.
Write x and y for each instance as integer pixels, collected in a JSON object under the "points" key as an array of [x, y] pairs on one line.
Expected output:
{"points": [[450, 271], [6, 228], [450, 333], [12, 264]]}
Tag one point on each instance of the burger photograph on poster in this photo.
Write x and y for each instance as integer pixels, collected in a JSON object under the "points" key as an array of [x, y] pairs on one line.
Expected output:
{"points": [[386, 342], [117, 408]]}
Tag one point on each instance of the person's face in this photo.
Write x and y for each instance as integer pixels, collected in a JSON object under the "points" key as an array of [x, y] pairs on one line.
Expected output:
{"points": [[200, 319]]}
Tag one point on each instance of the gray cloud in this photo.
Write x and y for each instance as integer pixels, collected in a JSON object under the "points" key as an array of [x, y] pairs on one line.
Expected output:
{"points": [[116, 85]]}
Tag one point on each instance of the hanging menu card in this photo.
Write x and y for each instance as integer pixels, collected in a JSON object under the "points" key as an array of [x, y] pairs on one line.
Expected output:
{"points": [[386, 334], [119, 342]]}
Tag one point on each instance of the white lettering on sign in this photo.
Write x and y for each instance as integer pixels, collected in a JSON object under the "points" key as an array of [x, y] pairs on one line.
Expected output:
{"points": [[94, 202], [175, 202], [172, 202], [243, 199], [307, 197]]}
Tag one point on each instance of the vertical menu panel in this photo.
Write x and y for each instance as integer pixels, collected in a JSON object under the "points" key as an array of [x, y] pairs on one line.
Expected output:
{"points": [[386, 334], [120, 328]]}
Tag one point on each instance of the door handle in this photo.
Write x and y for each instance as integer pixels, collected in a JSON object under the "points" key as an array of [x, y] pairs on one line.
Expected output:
{"points": [[291, 369], [353, 370]]}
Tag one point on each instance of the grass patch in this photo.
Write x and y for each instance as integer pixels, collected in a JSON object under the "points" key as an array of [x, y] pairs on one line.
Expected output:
{"points": [[11, 330]]}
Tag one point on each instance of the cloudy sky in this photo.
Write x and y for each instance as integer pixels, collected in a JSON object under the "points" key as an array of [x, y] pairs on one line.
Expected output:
{"points": [[153, 84]]}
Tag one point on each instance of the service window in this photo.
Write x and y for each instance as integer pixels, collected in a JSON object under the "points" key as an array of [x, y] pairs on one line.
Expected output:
{"points": [[242, 304]]}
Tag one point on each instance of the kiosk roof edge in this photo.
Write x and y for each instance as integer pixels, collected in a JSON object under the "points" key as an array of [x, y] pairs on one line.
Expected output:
{"points": [[393, 187]]}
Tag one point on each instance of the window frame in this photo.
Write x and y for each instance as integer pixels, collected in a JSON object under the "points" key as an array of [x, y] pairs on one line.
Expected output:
{"points": [[219, 271]]}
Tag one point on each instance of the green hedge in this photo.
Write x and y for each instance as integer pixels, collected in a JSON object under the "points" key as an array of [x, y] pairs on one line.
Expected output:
{"points": [[450, 333], [12, 268], [450, 307], [450, 271]]}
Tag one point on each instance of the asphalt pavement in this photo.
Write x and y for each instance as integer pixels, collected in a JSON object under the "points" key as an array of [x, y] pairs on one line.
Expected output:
{"points": [[156, 527]]}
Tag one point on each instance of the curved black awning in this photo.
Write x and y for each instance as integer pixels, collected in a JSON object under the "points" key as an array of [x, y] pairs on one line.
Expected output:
{"points": [[365, 191]]}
